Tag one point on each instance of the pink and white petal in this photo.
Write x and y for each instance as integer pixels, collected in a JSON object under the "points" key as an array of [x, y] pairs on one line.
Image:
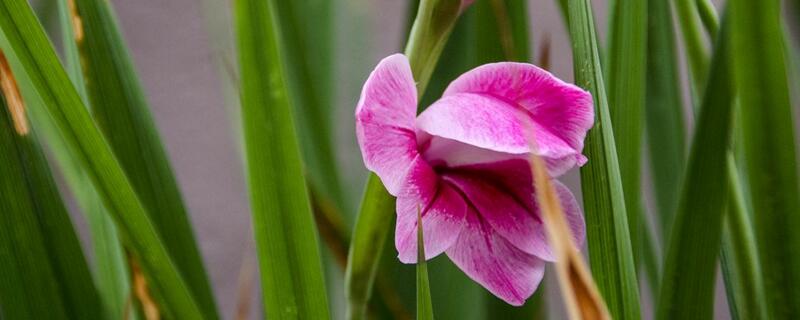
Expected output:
{"points": [[561, 113], [501, 268], [507, 214], [452, 153], [442, 210], [385, 121], [478, 120], [573, 213]]}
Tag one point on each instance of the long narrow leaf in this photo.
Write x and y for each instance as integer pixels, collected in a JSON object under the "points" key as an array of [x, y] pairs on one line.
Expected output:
{"points": [[24, 39], [286, 238], [687, 289], [608, 235], [424, 304], [759, 56], [738, 258], [627, 58], [696, 52], [110, 268], [307, 31], [664, 113], [121, 111], [45, 275]]}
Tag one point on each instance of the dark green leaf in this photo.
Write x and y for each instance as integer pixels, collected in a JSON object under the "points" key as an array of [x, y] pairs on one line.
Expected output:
{"points": [[627, 58], [687, 287], [45, 275], [121, 111], [307, 31], [664, 113], [291, 270], [608, 235], [25, 41]]}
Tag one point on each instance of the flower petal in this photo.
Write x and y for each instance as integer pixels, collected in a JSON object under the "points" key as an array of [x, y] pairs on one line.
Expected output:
{"points": [[560, 113], [501, 268], [509, 213], [503, 195], [385, 121], [573, 213], [442, 210]]}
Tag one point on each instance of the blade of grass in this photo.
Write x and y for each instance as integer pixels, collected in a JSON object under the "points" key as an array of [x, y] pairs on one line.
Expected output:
{"points": [[122, 113], [759, 56], [307, 30], [25, 41], [664, 113], [626, 78], [110, 267], [687, 287], [708, 15], [608, 235], [45, 272], [424, 304], [738, 258], [696, 52], [286, 238], [432, 26]]}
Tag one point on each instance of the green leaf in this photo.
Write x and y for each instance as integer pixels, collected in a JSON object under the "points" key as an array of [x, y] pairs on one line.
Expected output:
{"points": [[696, 51], [286, 238], [761, 70], [432, 26], [25, 41], [424, 304], [608, 235], [626, 78], [687, 287], [110, 265], [369, 237], [119, 107], [738, 258], [45, 275], [708, 15], [664, 113], [307, 32]]}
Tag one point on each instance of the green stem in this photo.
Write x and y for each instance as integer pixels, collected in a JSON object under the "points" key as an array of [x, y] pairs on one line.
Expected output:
{"points": [[434, 22]]}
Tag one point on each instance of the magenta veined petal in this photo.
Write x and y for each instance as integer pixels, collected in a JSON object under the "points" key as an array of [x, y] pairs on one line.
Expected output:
{"points": [[385, 121], [560, 113], [502, 194], [442, 210], [463, 164], [489, 259]]}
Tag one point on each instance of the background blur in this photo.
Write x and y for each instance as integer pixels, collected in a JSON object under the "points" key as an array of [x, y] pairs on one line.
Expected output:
{"points": [[183, 52]]}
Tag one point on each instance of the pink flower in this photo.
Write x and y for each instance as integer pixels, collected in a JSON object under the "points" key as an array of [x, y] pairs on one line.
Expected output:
{"points": [[463, 162]]}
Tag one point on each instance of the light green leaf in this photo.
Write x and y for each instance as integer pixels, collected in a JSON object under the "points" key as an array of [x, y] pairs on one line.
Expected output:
{"points": [[286, 238], [121, 111], [738, 258], [696, 51], [608, 235], [761, 69], [626, 78], [25, 41]]}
